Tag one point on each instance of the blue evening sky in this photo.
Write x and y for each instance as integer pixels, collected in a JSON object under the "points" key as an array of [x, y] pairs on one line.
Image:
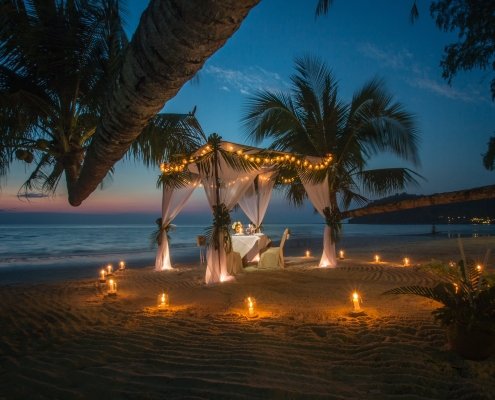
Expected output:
{"points": [[359, 40]]}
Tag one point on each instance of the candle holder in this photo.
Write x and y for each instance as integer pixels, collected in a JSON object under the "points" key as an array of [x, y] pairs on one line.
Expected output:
{"points": [[163, 301], [112, 288], [356, 305], [251, 304], [103, 278]]}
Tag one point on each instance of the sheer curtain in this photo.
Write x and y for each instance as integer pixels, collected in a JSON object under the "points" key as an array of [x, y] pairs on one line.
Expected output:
{"points": [[233, 184], [255, 200], [319, 195], [173, 201]]}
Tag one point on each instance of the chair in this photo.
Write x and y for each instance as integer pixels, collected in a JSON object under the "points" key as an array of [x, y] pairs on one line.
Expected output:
{"points": [[273, 257], [201, 243]]}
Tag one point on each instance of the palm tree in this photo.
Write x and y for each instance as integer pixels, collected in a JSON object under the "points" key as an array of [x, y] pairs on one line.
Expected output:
{"points": [[311, 120], [57, 62], [172, 42]]}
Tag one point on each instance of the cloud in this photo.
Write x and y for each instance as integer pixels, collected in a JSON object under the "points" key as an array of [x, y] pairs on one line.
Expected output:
{"points": [[396, 60], [441, 89], [417, 75], [246, 81]]}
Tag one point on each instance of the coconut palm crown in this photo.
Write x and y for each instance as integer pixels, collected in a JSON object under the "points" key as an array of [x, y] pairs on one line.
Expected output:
{"points": [[58, 60], [311, 119]]}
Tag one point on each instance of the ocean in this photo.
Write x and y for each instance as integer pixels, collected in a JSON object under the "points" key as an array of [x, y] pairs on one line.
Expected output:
{"points": [[46, 251]]}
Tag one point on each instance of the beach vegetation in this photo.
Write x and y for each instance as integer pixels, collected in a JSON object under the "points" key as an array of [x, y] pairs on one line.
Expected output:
{"points": [[58, 61], [311, 119], [467, 295]]}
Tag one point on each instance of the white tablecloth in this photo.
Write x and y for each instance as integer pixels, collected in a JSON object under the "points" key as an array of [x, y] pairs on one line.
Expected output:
{"points": [[249, 246]]}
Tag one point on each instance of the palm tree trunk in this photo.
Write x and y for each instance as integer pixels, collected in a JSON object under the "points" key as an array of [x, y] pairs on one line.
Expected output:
{"points": [[480, 193], [172, 42]]}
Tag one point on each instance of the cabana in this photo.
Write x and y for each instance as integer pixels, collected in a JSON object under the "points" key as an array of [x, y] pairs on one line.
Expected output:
{"points": [[233, 174]]}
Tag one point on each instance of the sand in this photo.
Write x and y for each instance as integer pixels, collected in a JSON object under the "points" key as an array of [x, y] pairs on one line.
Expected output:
{"points": [[71, 340]]}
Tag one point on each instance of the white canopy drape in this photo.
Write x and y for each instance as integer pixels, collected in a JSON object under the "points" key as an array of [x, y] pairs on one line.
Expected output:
{"points": [[233, 184], [256, 198], [319, 195], [173, 201]]}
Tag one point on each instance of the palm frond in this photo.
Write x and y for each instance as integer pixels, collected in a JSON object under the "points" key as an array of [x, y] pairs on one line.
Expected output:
{"points": [[322, 7], [175, 180], [383, 181], [489, 156], [167, 135]]}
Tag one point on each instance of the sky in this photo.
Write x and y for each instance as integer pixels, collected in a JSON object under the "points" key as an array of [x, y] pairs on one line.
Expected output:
{"points": [[359, 40]]}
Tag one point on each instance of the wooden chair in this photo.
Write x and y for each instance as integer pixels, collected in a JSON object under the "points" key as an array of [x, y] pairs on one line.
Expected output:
{"points": [[201, 243], [273, 257]]}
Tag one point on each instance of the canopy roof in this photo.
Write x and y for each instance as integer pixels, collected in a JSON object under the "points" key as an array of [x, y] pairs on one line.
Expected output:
{"points": [[258, 158]]}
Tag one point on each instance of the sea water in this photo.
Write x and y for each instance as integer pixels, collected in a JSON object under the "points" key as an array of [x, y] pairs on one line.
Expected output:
{"points": [[86, 248]]}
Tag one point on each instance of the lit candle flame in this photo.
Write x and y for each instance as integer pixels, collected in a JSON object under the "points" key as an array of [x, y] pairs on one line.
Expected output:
{"points": [[377, 258], [308, 254], [406, 261], [250, 303], [102, 275], [163, 300], [478, 267], [341, 254], [109, 269], [112, 287], [355, 301], [122, 265]]}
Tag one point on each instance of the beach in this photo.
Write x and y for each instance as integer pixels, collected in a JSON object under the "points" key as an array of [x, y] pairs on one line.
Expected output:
{"points": [[69, 339]]}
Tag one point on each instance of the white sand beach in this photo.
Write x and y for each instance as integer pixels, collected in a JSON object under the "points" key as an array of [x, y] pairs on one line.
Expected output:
{"points": [[71, 340]]}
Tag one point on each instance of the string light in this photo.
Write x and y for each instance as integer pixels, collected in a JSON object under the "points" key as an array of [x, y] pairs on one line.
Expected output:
{"points": [[254, 158]]}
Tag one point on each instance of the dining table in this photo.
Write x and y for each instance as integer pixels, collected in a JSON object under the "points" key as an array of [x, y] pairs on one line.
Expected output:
{"points": [[249, 246]]}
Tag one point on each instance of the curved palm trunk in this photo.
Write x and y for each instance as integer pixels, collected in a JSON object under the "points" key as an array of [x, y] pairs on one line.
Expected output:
{"points": [[172, 42], [480, 193]]}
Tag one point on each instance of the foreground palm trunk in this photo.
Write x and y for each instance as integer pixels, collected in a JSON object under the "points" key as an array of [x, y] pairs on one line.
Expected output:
{"points": [[480, 193], [172, 42]]}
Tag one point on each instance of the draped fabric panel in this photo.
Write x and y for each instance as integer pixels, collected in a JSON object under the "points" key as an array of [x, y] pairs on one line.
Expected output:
{"points": [[319, 195], [255, 201], [233, 185], [173, 202]]}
